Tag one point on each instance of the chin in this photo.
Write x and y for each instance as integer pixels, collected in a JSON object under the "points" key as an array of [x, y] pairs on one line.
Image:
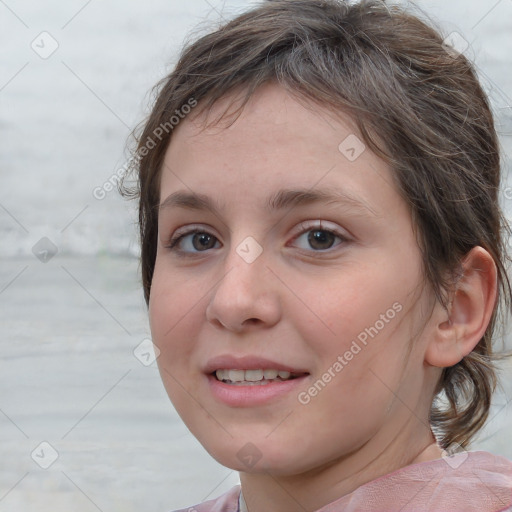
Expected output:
{"points": [[262, 456]]}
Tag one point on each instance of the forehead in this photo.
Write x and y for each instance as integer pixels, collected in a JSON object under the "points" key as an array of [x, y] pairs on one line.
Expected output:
{"points": [[276, 143], [272, 108]]}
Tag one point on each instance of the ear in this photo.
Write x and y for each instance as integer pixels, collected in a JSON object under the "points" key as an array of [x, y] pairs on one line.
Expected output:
{"points": [[457, 331]]}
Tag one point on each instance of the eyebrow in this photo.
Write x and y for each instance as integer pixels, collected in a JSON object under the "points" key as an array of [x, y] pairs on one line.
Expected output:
{"points": [[284, 198]]}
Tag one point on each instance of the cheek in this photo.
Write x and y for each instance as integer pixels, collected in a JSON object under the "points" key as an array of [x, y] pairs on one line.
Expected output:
{"points": [[174, 307], [172, 298], [360, 339], [362, 306], [173, 310]]}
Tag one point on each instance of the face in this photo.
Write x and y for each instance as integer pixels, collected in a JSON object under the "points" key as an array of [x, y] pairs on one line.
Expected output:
{"points": [[286, 299]]}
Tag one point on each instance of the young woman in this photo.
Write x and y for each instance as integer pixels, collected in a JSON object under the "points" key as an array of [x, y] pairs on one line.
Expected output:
{"points": [[323, 261]]}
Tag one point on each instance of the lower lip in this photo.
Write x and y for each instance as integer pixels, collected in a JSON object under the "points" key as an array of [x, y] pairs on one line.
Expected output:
{"points": [[249, 396]]}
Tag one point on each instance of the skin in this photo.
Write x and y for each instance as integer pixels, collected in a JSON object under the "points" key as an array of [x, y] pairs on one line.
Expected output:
{"points": [[303, 306]]}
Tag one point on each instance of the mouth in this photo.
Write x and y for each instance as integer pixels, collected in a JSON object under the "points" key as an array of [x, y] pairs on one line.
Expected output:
{"points": [[252, 381], [256, 377]]}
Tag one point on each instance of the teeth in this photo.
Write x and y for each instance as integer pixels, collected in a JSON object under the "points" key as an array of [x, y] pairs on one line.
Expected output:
{"points": [[221, 374], [251, 375], [236, 375], [270, 374]]}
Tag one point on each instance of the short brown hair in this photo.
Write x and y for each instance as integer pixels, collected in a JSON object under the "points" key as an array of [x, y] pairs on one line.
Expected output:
{"points": [[392, 73]]}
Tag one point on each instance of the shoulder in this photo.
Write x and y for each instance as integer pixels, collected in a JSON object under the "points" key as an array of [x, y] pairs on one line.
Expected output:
{"points": [[228, 502], [467, 482], [484, 479]]}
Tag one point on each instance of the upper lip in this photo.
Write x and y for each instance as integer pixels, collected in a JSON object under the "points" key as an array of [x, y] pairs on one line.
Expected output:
{"points": [[229, 362]]}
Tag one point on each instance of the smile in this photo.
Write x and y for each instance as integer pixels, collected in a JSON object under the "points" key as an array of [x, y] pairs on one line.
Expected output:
{"points": [[253, 380], [256, 377]]}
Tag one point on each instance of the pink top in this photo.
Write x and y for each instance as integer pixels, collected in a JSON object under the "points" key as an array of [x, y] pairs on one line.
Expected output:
{"points": [[465, 482]]}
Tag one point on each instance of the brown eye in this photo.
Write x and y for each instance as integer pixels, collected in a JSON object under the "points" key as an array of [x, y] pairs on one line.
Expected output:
{"points": [[321, 239], [318, 238], [193, 241], [202, 241]]}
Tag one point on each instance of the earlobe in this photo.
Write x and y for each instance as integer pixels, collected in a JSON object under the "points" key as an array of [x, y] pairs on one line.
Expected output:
{"points": [[458, 330]]}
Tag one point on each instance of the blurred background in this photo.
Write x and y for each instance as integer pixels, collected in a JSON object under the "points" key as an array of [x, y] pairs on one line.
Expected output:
{"points": [[85, 423]]}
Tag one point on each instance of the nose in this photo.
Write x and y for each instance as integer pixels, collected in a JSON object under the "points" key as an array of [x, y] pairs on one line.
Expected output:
{"points": [[246, 297]]}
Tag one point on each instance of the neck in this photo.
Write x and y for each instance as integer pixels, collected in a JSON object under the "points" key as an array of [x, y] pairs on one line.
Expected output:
{"points": [[311, 491]]}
